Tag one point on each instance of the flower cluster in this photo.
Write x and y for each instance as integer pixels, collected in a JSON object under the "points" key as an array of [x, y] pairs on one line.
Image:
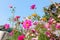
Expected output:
{"points": [[35, 28]]}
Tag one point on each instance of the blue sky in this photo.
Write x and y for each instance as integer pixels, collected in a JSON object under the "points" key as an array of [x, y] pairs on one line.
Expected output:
{"points": [[22, 8]]}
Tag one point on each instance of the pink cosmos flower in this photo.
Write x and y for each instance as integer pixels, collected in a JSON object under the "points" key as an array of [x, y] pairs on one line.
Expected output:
{"points": [[33, 30], [52, 39], [10, 6], [21, 22], [35, 23], [33, 6], [6, 26], [27, 24], [16, 18], [48, 34], [21, 37], [11, 33], [47, 26], [57, 25], [50, 20]]}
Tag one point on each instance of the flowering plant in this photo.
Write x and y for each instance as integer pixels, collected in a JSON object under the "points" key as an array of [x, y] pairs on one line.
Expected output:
{"points": [[33, 27]]}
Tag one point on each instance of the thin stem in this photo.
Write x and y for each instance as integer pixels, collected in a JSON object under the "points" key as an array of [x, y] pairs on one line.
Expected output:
{"points": [[12, 19]]}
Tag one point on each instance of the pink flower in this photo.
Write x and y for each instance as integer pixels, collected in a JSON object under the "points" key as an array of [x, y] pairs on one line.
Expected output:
{"points": [[35, 23], [17, 17], [11, 33], [33, 6], [21, 37], [57, 25], [6, 26], [10, 6], [48, 34], [33, 30], [52, 39], [21, 22], [27, 24], [50, 20], [47, 26]]}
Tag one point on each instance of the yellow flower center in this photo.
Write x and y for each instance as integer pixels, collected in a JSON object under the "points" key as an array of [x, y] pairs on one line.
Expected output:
{"points": [[44, 19], [27, 24], [34, 14]]}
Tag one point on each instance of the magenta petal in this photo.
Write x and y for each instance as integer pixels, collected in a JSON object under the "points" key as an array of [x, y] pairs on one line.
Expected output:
{"points": [[27, 22], [47, 25], [6, 26], [33, 6], [50, 20], [21, 37], [11, 33], [58, 25], [48, 34]]}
